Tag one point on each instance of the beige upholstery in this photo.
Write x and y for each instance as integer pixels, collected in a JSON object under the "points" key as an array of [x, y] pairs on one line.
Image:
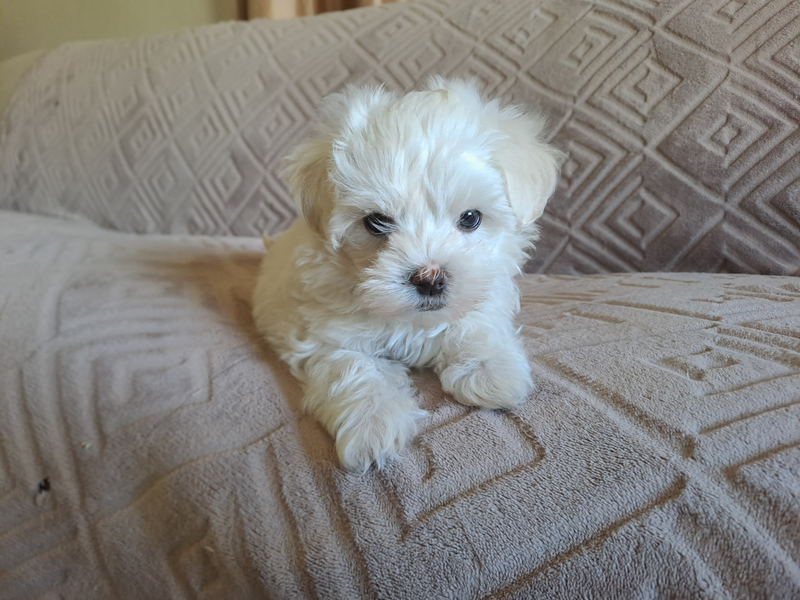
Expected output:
{"points": [[152, 447], [680, 120]]}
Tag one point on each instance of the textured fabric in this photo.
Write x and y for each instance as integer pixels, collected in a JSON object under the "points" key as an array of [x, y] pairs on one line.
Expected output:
{"points": [[679, 118], [151, 447]]}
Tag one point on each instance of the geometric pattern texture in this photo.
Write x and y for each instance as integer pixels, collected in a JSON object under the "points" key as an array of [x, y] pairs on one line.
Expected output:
{"points": [[679, 118], [151, 446]]}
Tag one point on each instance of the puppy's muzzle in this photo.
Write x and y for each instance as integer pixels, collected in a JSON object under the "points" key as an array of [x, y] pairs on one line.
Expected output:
{"points": [[429, 281]]}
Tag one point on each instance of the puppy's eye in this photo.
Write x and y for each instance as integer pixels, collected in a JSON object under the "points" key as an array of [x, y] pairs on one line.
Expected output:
{"points": [[379, 225], [469, 220]]}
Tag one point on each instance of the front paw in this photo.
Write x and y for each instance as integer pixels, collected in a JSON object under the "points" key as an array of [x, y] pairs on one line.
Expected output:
{"points": [[376, 435], [500, 381]]}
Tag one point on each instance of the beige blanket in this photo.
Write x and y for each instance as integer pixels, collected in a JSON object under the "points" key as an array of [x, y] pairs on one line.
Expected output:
{"points": [[152, 447]]}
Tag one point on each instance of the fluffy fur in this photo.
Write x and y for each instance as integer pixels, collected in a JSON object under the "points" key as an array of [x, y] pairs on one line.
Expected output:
{"points": [[337, 301]]}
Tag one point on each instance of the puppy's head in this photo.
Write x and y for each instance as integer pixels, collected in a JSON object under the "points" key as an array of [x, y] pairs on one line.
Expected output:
{"points": [[429, 199]]}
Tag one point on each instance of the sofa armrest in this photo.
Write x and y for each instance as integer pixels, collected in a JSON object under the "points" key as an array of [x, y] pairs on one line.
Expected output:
{"points": [[12, 72], [681, 130]]}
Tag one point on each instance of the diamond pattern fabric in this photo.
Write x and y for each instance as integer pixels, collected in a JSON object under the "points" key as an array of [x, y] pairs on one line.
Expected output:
{"points": [[151, 446], [679, 119]]}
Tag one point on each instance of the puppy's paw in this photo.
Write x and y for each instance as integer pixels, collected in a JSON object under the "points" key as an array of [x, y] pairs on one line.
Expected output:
{"points": [[376, 434], [500, 381]]}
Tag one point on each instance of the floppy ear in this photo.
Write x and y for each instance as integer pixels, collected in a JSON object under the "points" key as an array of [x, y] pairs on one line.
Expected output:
{"points": [[528, 164], [311, 167], [307, 175]]}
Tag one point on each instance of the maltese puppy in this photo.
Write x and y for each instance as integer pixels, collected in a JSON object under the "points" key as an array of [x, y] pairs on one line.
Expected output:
{"points": [[418, 214]]}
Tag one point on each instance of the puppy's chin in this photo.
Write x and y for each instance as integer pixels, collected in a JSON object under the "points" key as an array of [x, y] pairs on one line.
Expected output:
{"points": [[409, 307], [387, 293], [430, 305], [431, 316]]}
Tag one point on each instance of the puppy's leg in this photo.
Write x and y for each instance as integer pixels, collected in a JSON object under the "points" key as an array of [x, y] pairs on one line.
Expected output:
{"points": [[366, 403], [484, 364]]}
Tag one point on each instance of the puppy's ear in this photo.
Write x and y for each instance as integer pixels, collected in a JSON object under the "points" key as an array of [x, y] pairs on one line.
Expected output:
{"points": [[309, 182], [528, 164], [313, 167]]}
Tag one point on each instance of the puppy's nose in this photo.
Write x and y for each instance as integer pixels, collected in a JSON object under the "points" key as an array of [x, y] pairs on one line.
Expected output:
{"points": [[429, 281]]}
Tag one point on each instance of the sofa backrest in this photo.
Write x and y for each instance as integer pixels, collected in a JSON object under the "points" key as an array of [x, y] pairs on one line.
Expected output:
{"points": [[680, 121]]}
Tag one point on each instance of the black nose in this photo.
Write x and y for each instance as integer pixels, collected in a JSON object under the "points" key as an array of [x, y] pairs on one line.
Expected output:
{"points": [[429, 282]]}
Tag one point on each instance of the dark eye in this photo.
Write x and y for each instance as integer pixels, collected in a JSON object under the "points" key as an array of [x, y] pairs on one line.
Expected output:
{"points": [[469, 220], [378, 225]]}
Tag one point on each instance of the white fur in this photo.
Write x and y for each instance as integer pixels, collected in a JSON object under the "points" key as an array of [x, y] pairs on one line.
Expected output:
{"points": [[336, 302]]}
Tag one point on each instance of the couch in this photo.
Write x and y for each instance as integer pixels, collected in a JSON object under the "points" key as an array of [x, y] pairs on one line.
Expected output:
{"points": [[151, 446]]}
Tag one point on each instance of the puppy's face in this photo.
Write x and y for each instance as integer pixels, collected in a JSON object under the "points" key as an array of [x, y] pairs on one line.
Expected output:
{"points": [[428, 200], [430, 234]]}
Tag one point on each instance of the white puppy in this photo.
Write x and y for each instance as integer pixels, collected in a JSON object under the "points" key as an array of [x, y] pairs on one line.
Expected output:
{"points": [[418, 212]]}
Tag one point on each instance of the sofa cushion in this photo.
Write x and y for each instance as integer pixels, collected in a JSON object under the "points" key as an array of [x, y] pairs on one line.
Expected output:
{"points": [[151, 446], [679, 118]]}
